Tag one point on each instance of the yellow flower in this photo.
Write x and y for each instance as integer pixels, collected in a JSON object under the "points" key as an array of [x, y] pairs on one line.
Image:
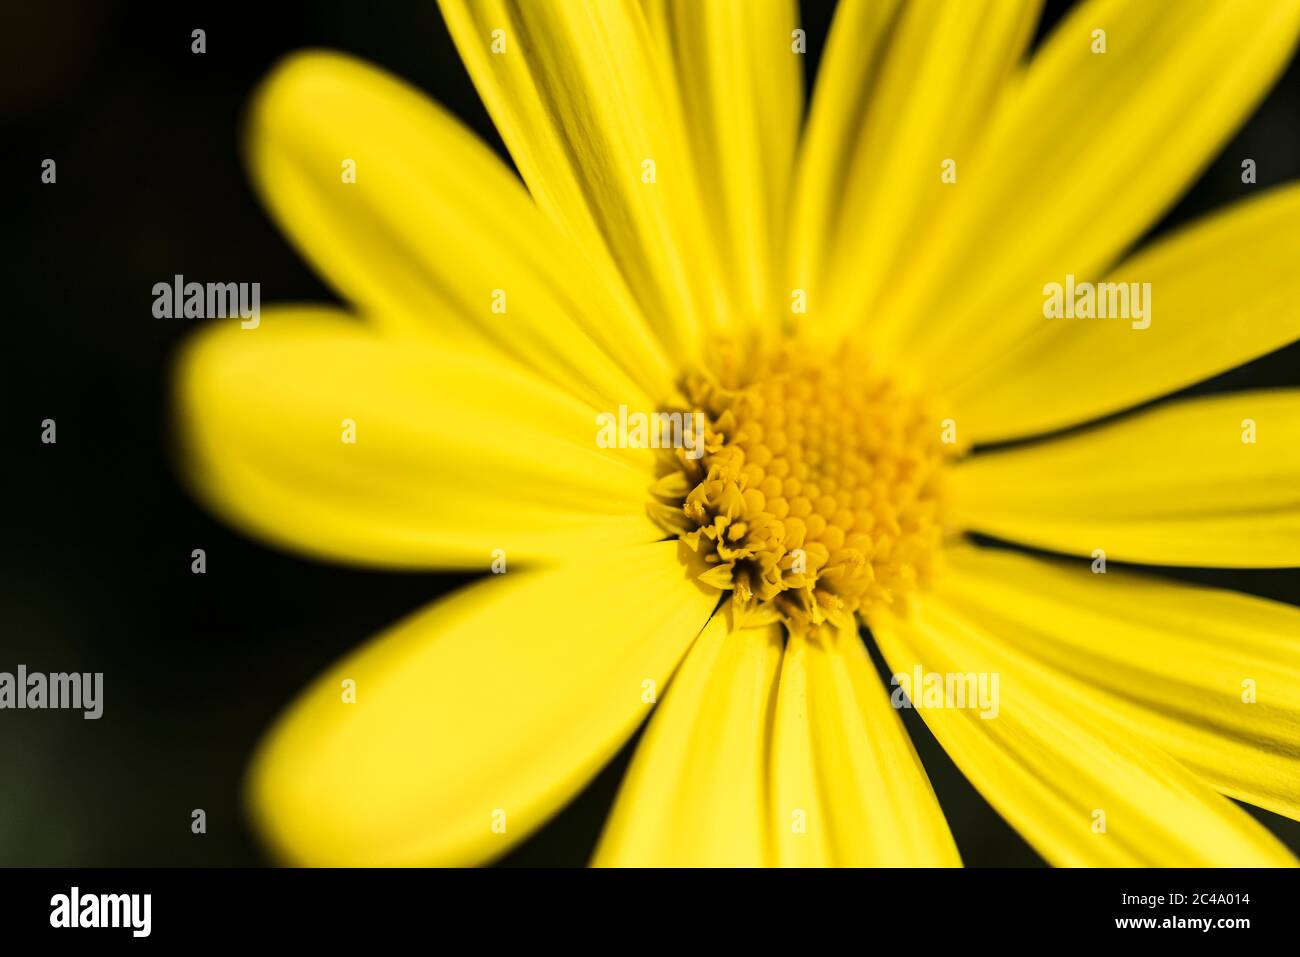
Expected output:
{"points": [[847, 304]]}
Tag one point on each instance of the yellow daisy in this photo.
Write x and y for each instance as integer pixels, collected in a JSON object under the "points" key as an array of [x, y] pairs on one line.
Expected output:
{"points": [[846, 304]]}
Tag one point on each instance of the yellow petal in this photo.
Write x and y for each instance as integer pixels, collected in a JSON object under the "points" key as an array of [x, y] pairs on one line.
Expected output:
{"points": [[901, 93], [1211, 481], [435, 236], [848, 787], [1076, 785], [476, 719], [1084, 153], [741, 85], [455, 457], [1209, 676], [855, 49], [1222, 293], [696, 793], [577, 93]]}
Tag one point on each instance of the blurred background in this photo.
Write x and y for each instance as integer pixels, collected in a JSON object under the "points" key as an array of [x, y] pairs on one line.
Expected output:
{"points": [[97, 532]]}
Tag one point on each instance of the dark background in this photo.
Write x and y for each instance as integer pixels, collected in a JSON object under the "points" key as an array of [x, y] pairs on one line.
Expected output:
{"points": [[97, 532]]}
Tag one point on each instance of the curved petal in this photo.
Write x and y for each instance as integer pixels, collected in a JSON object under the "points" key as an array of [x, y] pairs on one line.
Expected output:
{"points": [[576, 91], [476, 719], [1222, 293], [696, 793], [848, 787], [1079, 788], [434, 235], [855, 49], [1211, 481], [1209, 676], [1086, 151], [742, 96], [901, 91], [453, 457]]}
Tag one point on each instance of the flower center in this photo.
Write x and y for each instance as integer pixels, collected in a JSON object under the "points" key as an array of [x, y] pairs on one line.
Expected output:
{"points": [[818, 491]]}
